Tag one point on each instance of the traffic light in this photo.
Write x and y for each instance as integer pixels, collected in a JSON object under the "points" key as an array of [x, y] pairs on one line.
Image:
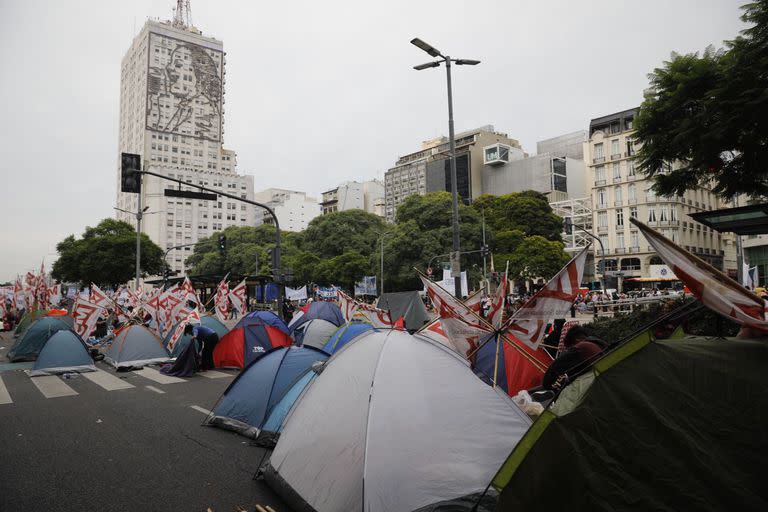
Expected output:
{"points": [[222, 245], [485, 251], [130, 181], [568, 225], [272, 258]]}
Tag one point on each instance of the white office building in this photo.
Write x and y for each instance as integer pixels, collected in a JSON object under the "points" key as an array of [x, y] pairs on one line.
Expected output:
{"points": [[293, 209], [172, 114], [353, 195]]}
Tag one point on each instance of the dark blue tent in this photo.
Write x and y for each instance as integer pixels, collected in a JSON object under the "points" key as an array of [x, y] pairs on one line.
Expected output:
{"points": [[64, 352], [327, 311], [345, 334], [28, 346], [257, 401]]}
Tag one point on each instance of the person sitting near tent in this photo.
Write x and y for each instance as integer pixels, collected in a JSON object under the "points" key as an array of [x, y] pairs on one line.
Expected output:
{"points": [[207, 339], [578, 350]]}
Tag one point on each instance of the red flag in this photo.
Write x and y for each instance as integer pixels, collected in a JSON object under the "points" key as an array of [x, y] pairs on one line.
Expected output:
{"points": [[348, 306], [187, 292], [496, 311], [190, 317], [237, 296], [85, 315]]}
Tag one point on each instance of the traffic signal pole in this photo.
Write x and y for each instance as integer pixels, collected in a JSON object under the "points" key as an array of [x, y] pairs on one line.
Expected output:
{"points": [[276, 270]]}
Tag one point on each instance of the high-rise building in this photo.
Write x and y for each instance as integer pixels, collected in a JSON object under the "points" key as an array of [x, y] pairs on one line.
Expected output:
{"points": [[172, 114], [352, 195], [293, 209], [428, 170], [619, 191]]}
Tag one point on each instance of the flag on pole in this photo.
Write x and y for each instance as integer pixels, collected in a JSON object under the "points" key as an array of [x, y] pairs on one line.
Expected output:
{"points": [[54, 294], [98, 297], [496, 311], [85, 315], [191, 317], [348, 306], [554, 300], [221, 302], [714, 289], [187, 292], [237, 296], [19, 296]]}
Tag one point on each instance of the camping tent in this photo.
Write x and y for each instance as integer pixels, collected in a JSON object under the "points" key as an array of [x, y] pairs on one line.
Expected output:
{"points": [[255, 334], [422, 430], [28, 346], [511, 364], [322, 310], [135, 345], [406, 305], [314, 333], [676, 424], [64, 352], [209, 321], [256, 402], [344, 335]]}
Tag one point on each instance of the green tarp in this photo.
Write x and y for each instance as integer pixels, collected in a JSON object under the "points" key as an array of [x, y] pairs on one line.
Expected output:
{"points": [[658, 425]]}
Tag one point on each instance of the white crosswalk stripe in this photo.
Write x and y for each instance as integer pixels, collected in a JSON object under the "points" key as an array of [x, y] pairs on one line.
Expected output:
{"points": [[5, 397], [213, 374], [160, 378], [51, 386], [107, 380]]}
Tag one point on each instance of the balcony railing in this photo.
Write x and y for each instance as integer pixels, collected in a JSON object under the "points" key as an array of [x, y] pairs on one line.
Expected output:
{"points": [[618, 202], [634, 249], [619, 250], [616, 179], [599, 182], [632, 200], [598, 160], [602, 229], [615, 156]]}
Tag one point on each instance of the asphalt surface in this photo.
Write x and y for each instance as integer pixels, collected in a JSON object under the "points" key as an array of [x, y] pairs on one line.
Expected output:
{"points": [[121, 450]]}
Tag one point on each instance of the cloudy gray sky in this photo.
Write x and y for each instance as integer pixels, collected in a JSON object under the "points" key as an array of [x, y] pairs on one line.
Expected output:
{"points": [[317, 92]]}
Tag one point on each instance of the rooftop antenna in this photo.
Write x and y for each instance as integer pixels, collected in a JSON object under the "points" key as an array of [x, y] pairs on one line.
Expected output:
{"points": [[182, 14]]}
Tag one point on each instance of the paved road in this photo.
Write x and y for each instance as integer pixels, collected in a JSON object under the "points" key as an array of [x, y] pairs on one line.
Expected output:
{"points": [[123, 441]]}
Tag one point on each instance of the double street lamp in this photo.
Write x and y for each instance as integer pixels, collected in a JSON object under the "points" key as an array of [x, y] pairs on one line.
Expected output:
{"points": [[455, 256], [139, 215]]}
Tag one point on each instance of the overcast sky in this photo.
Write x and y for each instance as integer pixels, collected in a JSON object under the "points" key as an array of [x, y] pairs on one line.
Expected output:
{"points": [[317, 92]]}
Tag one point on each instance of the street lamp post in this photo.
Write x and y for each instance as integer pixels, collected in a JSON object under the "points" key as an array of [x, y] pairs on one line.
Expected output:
{"points": [[139, 215], [455, 258], [381, 234]]}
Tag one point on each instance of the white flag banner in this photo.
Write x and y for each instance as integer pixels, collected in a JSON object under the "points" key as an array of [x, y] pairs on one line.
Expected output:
{"points": [[54, 294], [296, 293], [238, 297], [85, 315], [714, 289], [554, 300], [189, 317], [98, 297], [221, 302]]}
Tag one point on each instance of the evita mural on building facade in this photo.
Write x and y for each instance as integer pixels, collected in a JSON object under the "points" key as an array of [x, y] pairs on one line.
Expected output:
{"points": [[184, 91]]}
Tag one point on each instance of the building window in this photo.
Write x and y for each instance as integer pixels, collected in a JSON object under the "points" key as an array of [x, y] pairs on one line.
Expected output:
{"points": [[616, 171], [651, 215], [604, 241], [634, 239], [632, 192], [664, 214], [615, 151], [602, 198], [619, 240], [617, 199], [620, 217], [599, 153], [631, 168], [602, 219], [600, 175]]}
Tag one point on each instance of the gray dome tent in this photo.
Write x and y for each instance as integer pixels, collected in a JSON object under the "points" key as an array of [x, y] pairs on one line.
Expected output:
{"points": [[64, 352], [314, 333], [29, 345], [135, 345], [418, 430]]}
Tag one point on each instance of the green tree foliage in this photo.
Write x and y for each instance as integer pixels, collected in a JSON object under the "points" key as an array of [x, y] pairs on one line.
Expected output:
{"points": [[527, 212], [336, 233], [709, 115], [535, 256], [106, 255], [344, 269]]}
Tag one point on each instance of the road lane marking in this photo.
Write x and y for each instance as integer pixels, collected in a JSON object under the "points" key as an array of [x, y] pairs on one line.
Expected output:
{"points": [[107, 380], [200, 409], [156, 390], [160, 378], [213, 374], [5, 397], [51, 386]]}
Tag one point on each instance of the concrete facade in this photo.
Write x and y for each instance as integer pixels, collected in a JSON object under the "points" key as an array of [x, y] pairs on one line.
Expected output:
{"points": [[570, 145], [618, 191], [294, 210], [410, 174], [350, 195], [172, 114], [559, 178]]}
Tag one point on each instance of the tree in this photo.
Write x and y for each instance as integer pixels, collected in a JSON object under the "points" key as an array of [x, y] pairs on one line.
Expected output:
{"points": [[336, 233], [106, 255], [536, 257], [708, 115], [527, 212], [344, 270]]}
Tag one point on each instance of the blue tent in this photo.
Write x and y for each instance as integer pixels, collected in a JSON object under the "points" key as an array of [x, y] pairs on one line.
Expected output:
{"points": [[255, 334], [28, 346], [258, 400], [208, 321], [317, 310], [64, 352], [345, 334]]}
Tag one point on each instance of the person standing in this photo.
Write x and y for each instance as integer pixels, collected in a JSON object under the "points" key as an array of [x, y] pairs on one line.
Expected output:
{"points": [[207, 338]]}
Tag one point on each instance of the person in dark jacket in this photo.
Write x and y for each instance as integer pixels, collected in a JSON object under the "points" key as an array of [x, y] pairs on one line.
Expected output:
{"points": [[579, 351], [207, 338]]}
